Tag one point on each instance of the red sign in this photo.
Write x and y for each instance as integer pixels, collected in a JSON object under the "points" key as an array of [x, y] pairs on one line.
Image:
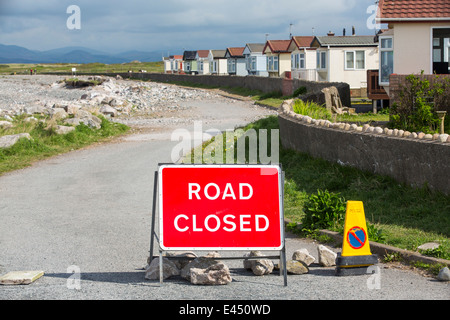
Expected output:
{"points": [[220, 207]]}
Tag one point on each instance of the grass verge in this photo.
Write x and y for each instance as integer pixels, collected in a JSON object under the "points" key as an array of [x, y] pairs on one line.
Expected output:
{"points": [[46, 143]]}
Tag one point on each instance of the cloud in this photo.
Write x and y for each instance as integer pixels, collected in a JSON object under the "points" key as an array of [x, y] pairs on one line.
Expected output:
{"points": [[157, 24]]}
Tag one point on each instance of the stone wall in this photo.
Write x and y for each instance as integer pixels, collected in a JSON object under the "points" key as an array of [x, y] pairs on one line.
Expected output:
{"points": [[411, 158]]}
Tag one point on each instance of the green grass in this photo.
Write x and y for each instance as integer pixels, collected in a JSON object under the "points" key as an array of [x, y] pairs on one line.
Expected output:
{"points": [[20, 68], [46, 143], [407, 217]]}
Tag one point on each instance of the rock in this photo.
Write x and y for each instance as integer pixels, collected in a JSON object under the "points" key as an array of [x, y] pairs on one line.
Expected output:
{"points": [[435, 136], [443, 137], [420, 135], [169, 269], [428, 136], [64, 129], [406, 134], [444, 274], [259, 267], [303, 256], [5, 124], [378, 130], [108, 110], [181, 263], [216, 274], [72, 121], [296, 267], [395, 132], [197, 263], [400, 133], [390, 132], [414, 135], [365, 127], [34, 109], [327, 258], [428, 246], [58, 114], [9, 141]]}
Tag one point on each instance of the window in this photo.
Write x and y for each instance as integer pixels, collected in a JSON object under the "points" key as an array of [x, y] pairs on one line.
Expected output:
{"points": [[441, 50], [253, 68], [272, 64], [321, 59], [188, 66], [355, 60], [231, 65], [298, 61], [302, 60], [386, 59]]}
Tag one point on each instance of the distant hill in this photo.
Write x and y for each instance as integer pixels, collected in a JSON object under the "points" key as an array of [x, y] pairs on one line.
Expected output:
{"points": [[16, 54]]}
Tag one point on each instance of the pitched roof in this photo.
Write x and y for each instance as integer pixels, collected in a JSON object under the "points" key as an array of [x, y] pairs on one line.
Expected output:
{"points": [[236, 52], [189, 55], [217, 54], [255, 47], [177, 57], [346, 41], [393, 10], [203, 53], [303, 41], [278, 46]]}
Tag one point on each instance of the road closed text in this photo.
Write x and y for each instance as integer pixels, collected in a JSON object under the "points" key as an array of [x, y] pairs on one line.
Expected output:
{"points": [[228, 223]]}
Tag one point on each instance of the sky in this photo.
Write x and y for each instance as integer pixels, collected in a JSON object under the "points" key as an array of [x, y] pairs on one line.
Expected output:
{"points": [[158, 25]]}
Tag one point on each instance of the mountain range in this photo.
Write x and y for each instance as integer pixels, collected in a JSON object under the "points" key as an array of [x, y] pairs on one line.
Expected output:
{"points": [[16, 54]]}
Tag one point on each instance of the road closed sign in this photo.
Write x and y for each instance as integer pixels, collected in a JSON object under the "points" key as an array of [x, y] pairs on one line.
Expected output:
{"points": [[220, 207]]}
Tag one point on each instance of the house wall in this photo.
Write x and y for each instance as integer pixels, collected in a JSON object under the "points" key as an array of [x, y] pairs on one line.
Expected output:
{"points": [[413, 47], [284, 64], [357, 79], [241, 68]]}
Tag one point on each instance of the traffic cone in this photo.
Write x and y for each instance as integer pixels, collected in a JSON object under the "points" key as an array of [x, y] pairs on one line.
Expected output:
{"points": [[355, 257]]}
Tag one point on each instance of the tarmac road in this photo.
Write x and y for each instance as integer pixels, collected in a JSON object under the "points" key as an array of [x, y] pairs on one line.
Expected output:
{"points": [[90, 211]]}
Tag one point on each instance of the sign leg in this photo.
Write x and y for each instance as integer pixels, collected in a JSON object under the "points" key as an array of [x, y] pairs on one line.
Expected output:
{"points": [[155, 196]]}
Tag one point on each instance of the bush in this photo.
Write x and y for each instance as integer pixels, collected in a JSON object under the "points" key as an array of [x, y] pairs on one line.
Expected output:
{"points": [[300, 91], [324, 210], [311, 109]]}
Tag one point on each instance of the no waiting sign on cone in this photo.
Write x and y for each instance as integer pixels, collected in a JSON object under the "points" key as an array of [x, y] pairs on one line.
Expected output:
{"points": [[355, 256]]}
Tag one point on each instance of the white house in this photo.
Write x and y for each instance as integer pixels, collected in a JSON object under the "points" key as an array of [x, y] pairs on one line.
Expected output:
{"points": [[217, 62], [303, 58], [176, 63], [417, 39], [202, 61], [346, 59], [167, 65], [236, 61], [255, 60]]}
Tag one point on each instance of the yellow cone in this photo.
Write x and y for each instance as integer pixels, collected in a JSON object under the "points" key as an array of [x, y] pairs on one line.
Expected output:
{"points": [[356, 238]]}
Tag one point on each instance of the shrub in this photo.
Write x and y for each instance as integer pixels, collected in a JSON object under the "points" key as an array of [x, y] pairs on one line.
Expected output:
{"points": [[311, 109], [324, 210], [299, 91]]}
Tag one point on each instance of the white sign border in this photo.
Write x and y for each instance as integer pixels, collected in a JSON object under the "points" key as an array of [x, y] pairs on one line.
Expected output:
{"points": [[280, 200]]}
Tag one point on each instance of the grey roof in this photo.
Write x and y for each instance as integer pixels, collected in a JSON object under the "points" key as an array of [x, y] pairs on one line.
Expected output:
{"points": [[189, 55], [256, 47], [218, 53], [346, 41]]}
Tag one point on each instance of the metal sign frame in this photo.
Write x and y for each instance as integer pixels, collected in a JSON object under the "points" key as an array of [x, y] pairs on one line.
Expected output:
{"points": [[157, 210]]}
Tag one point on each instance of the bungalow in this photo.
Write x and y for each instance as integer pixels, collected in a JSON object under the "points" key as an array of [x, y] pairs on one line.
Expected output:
{"points": [[278, 57], [217, 62], [417, 39], [255, 60], [190, 63], [167, 66], [176, 63], [303, 58], [236, 61], [202, 61], [346, 59]]}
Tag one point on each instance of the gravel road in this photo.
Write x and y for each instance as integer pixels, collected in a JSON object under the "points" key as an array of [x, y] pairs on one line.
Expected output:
{"points": [[90, 211]]}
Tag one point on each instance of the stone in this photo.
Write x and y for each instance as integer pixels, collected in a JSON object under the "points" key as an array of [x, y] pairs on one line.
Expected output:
{"points": [[365, 127], [443, 137], [197, 263], [169, 269], [400, 133], [378, 130], [10, 140], [36, 109], [327, 258], [414, 135], [420, 135], [428, 136], [181, 263], [20, 277], [435, 136], [406, 134], [303, 256], [395, 132], [296, 267], [259, 267], [64, 129], [5, 124], [428, 246], [108, 110], [359, 129], [444, 274], [390, 132], [72, 121], [58, 114], [216, 274]]}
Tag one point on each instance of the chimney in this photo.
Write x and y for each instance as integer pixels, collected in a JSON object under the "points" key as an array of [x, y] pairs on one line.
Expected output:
{"points": [[330, 34], [343, 32], [353, 31]]}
